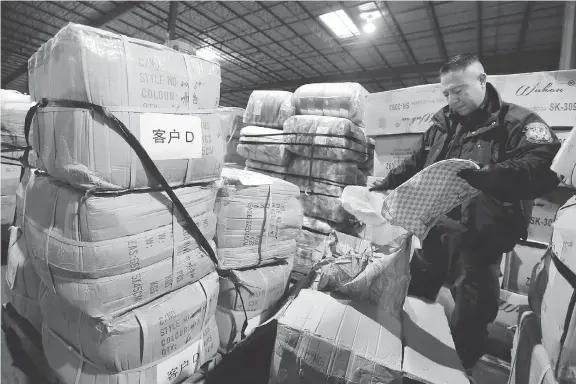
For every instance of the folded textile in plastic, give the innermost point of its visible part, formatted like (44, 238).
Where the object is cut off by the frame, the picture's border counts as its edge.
(278, 171)
(82, 148)
(310, 250)
(13, 109)
(159, 328)
(346, 100)
(324, 207)
(326, 170)
(269, 108)
(249, 295)
(431, 193)
(23, 286)
(258, 219)
(263, 144)
(83, 63)
(72, 368)
(311, 186)
(379, 275)
(324, 137)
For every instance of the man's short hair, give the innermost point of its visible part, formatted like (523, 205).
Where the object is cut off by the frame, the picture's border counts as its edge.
(458, 63)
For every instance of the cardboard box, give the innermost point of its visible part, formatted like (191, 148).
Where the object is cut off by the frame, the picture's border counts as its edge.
(530, 362)
(77, 147)
(71, 367)
(564, 163)
(87, 64)
(410, 110)
(161, 328)
(558, 312)
(519, 265)
(323, 336)
(543, 214)
(391, 150)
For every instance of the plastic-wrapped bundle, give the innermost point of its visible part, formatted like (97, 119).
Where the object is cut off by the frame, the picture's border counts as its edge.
(355, 268)
(72, 368)
(263, 144)
(160, 328)
(85, 150)
(260, 290)
(324, 207)
(278, 171)
(329, 138)
(269, 108)
(23, 286)
(106, 253)
(310, 250)
(328, 171)
(13, 109)
(346, 100)
(82, 63)
(258, 219)
(231, 121)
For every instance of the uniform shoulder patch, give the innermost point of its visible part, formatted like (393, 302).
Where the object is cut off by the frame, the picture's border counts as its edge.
(538, 133)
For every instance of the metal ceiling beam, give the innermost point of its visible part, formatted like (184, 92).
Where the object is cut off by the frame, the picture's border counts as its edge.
(530, 61)
(99, 22)
(436, 29)
(524, 28)
(269, 10)
(479, 35)
(172, 19)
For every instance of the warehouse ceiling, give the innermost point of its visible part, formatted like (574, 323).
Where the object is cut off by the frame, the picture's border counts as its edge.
(281, 45)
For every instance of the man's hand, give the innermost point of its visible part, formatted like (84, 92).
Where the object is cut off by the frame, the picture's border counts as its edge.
(492, 180)
(380, 186)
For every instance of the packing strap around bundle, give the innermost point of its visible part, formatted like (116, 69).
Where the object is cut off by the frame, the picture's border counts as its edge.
(571, 279)
(147, 162)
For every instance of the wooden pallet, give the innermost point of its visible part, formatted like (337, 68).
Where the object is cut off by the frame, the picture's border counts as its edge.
(30, 341)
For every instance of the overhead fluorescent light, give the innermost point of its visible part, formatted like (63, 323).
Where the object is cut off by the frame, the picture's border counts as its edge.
(339, 22)
(369, 28)
(369, 16)
(367, 7)
(207, 53)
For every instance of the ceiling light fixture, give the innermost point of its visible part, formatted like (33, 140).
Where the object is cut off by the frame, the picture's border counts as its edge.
(369, 28)
(340, 23)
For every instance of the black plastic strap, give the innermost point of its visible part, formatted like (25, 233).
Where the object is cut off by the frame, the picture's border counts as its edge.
(147, 162)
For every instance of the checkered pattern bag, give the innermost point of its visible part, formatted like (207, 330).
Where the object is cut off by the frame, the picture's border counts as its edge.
(432, 192)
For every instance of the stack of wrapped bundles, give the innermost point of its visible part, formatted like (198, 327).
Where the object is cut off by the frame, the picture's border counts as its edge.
(129, 267)
(330, 151)
(259, 218)
(261, 140)
(13, 109)
(231, 121)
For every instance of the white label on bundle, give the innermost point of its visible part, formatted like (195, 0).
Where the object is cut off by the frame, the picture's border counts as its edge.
(179, 366)
(171, 137)
(254, 179)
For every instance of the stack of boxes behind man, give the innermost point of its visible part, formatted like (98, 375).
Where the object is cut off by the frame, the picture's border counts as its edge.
(547, 336)
(331, 151)
(129, 269)
(259, 218)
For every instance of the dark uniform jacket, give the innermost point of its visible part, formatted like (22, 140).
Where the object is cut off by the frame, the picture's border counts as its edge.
(501, 133)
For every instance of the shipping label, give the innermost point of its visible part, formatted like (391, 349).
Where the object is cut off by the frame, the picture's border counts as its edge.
(254, 235)
(180, 366)
(172, 137)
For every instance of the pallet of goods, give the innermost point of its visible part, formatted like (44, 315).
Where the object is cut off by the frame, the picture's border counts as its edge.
(135, 268)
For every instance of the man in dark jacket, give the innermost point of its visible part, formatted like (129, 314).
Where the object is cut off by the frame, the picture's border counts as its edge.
(514, 148)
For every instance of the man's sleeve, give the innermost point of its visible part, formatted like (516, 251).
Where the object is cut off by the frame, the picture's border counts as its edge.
(411, 165)
(530, 150)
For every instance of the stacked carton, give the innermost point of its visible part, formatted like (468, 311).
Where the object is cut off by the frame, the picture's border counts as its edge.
(259, 218)
(262, 140)
(130, 288)
(552, 294)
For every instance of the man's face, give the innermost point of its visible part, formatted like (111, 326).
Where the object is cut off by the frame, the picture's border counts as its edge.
(464, 90)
